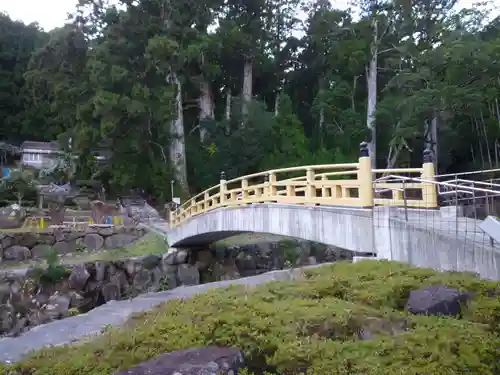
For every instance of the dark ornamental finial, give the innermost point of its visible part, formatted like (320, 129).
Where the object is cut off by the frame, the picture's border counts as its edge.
(363, 149)
(428, 156)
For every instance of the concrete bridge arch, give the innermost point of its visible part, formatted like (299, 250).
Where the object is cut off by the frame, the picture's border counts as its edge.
(348, 228)
(417, 237)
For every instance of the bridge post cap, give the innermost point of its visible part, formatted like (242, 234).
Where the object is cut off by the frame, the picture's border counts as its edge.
(363, 149)
(222, 175)
(428, 155)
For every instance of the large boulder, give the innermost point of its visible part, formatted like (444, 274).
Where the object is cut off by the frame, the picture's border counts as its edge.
(93, 241)
(175, 257)
(437, 300)
(188, 274)
(12, 216)
(78, 277)
(209, 360)
(40, 250)
(17, 252)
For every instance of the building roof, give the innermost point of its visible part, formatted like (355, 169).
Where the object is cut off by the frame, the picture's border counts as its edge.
(53, 147)
(102, 153)
(45, 146)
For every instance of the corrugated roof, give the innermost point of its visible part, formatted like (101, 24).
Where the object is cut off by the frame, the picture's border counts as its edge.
(53, 146)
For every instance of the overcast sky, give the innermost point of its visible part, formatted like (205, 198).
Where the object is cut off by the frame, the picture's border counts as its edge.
(52, 13)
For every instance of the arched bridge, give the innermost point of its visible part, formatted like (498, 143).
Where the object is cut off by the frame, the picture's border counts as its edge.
(393, 213)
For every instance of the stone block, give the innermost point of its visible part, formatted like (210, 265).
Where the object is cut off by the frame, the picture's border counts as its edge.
(437, 300)
(195, 361)
(63, 247)
(17, 252)
(40, 250)
(188, 274)
(93, 241)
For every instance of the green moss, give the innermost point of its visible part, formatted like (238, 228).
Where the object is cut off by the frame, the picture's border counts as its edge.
(148, 244)
(73, 311)
(51, 272)
(339, 319)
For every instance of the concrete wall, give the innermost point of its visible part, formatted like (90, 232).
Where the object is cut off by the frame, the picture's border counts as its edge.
(433, 245)
(423, 240)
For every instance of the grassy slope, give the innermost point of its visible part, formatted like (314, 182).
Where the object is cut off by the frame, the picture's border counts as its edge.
(250, 238)
(149, 244)
(285, 327)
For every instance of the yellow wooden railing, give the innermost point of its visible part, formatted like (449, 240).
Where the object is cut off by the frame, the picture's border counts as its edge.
(347, 184)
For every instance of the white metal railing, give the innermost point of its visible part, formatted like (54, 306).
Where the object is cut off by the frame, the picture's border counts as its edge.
(457, 187)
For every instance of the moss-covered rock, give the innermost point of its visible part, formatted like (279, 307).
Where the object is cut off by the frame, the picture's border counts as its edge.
(339, 319)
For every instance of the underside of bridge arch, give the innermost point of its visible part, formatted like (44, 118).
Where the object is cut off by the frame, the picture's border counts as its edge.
(348, 228)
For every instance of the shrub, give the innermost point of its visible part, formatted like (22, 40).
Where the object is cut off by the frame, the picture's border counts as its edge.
(339, 319)
(52, 271)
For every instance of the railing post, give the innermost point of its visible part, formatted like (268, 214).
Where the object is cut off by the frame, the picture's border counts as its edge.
(365, 179)
(273, 191)
(310, 187)
(325, 192)
(244, 189)
(206, 201)
(222, 188)
(429, 193)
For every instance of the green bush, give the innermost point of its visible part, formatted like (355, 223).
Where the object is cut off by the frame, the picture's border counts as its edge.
(311, 325)
(52, 272)
(289, 249)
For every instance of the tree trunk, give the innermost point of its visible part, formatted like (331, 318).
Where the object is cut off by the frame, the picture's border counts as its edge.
(277, 104)
(371, 80)
(206, 107)
(321, 126)
(177, 139)
(431, 139)
(247, 85)
(228, 104)
(177, 143)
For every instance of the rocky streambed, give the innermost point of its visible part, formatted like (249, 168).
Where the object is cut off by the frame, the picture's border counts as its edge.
(32, 297)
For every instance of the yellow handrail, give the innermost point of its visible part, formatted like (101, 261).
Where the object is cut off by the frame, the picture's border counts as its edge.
(317, 185)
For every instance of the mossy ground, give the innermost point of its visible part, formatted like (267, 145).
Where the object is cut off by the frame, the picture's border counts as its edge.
(312, 324)
(150, 243)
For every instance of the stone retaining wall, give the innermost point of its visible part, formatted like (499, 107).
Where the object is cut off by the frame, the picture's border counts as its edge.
(31, 297)
(23, 246)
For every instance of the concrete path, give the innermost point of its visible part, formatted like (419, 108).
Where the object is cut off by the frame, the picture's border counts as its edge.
(78, 327)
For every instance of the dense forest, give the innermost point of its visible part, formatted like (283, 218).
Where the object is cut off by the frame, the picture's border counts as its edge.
(182, 89)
